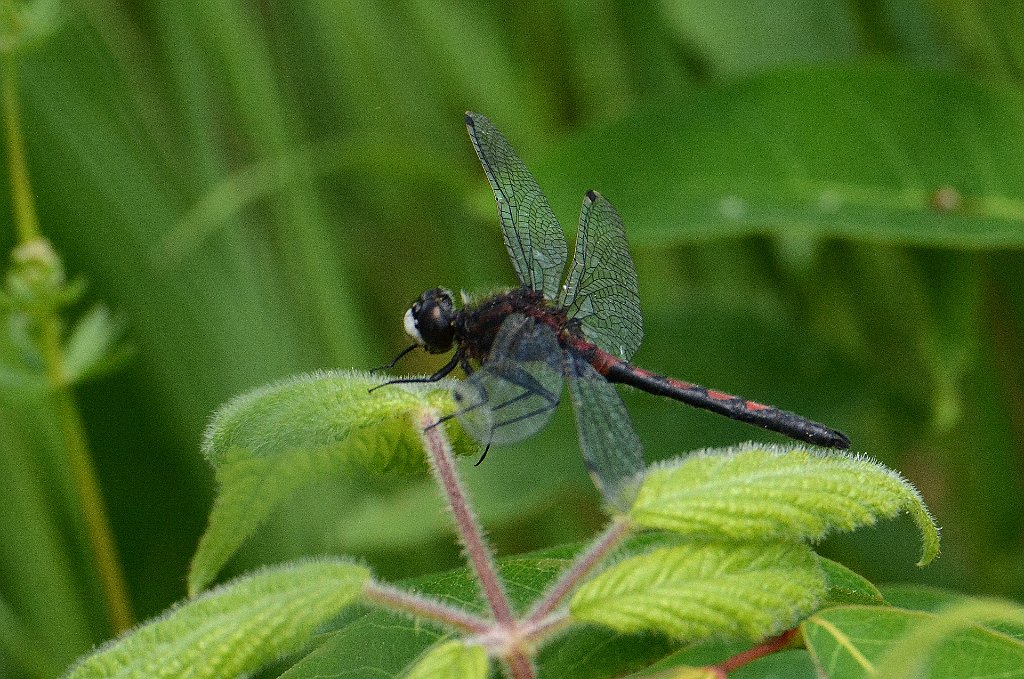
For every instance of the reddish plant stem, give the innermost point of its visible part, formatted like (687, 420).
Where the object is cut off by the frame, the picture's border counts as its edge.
(773, 645)
(605, 543)
(425, 607)
(538, 630)
(519, 666)
(470, 533)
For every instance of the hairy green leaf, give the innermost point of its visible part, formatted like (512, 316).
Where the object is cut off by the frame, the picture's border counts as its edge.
(267, 444)
(757, 491)
(234, 629)
(699, 590)
(877, 641)
(451, 660)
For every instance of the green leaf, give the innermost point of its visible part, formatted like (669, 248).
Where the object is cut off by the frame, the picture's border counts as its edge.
(920, 647)
(234, 629)
(920, 597)
(383, 644)
(267, 444)
(757, 491)
(451, 660)
(877, 641)
(700, 590)
(847, 587)
(936, 600)
(879, 154)
(696, 658)
(798, 31)
(91, 349)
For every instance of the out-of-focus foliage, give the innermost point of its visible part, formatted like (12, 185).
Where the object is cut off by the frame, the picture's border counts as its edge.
(825, 201)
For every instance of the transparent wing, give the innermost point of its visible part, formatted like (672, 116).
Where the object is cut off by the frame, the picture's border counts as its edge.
(601, 288)
(611, 449)
(513, 395)
(533, 236)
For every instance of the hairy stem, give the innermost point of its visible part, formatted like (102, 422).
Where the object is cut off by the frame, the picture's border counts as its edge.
(425, 607)
(469, 531)
(616, 531)
(538, 630)
(519, 666)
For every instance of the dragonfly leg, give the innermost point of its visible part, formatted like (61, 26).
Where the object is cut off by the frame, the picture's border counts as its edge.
(445, 418)
(526, 416)
(445, 370)
(396, 359)
(530, 386)
(483, 455)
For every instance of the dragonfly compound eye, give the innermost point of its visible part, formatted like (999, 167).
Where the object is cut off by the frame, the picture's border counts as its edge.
(431, 321)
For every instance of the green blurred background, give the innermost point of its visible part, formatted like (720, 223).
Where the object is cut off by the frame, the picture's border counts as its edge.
(825, 201)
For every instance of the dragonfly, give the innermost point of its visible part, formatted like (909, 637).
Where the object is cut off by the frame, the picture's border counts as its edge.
(577, 327)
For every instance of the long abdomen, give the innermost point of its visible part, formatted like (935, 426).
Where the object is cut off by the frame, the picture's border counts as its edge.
(769, 417)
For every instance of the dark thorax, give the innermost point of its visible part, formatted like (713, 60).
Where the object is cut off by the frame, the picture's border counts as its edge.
(477, 324)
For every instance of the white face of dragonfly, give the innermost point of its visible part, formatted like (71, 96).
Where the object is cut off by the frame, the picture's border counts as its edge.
(410, 328)
(430, 321)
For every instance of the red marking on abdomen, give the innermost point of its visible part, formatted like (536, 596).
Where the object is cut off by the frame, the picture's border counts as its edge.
(602, 361)
(754, 405)
(720, 395)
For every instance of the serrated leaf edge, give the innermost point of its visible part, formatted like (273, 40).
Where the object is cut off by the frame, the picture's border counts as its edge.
(914, 506)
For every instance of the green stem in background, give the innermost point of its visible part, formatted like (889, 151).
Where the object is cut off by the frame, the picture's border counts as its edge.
(66, 411)
(23, 204)
(101, 538)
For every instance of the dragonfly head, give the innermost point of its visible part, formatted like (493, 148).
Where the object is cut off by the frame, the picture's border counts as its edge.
(431, 320)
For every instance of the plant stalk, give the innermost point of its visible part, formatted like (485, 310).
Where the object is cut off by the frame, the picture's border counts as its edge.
(72, 430)
(519, 666)
(25, 219)
(425, 607)
(769, 646)
(617, 530)
(469, 530)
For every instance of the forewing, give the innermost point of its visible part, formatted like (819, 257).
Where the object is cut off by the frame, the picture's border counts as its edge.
(611, 449)
(533, 236)
(601, 289)
(514, 393)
